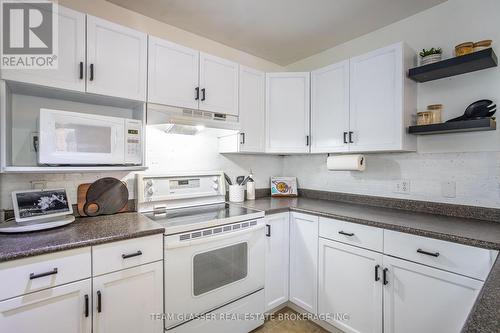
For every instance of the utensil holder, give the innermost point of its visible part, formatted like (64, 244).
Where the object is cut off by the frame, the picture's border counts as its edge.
(236, 193)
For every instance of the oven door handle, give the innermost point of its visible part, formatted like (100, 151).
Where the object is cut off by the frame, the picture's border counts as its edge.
(177, 244)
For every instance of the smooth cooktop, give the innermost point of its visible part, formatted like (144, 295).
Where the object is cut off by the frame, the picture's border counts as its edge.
(198, 217)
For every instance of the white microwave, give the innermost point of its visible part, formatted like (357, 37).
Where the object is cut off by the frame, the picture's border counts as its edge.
(71, 138)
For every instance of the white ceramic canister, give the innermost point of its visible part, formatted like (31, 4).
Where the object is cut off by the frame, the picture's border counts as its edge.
(236, 193)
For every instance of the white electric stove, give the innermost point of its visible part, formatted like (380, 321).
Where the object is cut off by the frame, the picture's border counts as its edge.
(213, 251)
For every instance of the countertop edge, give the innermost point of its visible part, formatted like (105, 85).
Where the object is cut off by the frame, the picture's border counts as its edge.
(71, 246)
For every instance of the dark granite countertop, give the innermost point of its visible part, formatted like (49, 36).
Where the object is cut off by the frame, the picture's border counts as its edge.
(485, 315)
(85, 231)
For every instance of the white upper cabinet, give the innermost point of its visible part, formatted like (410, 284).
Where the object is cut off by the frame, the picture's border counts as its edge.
(287, 112)
(252, 110)
(330, 108)
(70, 72)
(218, 85)
(173, 74)
(116, 60)
(382, 100)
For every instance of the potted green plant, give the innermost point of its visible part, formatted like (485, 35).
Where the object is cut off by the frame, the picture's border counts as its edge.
(430, 56)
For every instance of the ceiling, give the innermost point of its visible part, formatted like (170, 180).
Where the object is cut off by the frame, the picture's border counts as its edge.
(281, 31)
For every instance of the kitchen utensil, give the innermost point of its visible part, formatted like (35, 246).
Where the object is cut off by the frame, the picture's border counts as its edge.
(245, 180)
(478, 109)
(239, 180)
(228, 180)
(105, 196)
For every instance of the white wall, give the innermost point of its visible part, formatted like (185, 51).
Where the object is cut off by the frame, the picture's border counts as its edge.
(470, 159)
(166, 153)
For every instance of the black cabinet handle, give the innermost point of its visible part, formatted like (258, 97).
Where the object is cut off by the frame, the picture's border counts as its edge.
(86, 305)
(130, 255)
(203, 94)
(350, 137)
(242, 136)
(432, 254)
(268, 230)
(376, 272)
(345, 137)
(307, 140)
(91, 72)
(36, 276)
(197, 93)
(99, 301)
(81, 70)
(385, 276)
(350, 234)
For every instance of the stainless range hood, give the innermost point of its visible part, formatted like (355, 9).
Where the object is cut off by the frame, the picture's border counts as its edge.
(176, 120)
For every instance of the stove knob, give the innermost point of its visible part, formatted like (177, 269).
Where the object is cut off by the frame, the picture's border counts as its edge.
(150, 191)
(149, 183)
(215, 186)
(215, 179)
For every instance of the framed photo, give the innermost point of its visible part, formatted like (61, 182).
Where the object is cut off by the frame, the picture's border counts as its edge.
(284, 186)
(40, 204)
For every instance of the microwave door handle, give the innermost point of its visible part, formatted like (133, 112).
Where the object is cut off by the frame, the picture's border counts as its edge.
(203, 240)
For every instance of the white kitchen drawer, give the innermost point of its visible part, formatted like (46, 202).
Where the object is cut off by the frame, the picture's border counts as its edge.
(115, 256)
(351, 233)
(462, 259)
(27, 275)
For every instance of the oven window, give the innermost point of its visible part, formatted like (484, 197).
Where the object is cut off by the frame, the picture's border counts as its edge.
(217, 268)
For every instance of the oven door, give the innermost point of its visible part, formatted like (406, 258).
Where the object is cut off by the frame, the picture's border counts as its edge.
(80, 138)
(205, 273)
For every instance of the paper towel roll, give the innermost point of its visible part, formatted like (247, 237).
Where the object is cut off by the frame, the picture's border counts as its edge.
(346, 163)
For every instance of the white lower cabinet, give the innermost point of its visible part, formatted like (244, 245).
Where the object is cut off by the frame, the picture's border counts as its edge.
(349, 284)
(419, 299)
(277, 258)
(125, 300)
(55, 310)
(304, 260)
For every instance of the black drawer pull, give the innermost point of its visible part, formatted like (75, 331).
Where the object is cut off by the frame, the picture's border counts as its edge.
(345, 137)
(350, 234)
(86, 305)
(432, 254)
(242, 141)
(268, 230)
(36, 276)
(203, 92)
(197, 93)
(99, 301)
(385, 276)
(81, 70)
(376, 272)
(130, 255)
(350, 137)
(91, 72)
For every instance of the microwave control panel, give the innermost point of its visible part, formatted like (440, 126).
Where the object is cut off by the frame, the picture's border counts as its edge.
(133, 142)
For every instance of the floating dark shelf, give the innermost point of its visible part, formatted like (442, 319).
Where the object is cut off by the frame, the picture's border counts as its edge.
(455, 66)
(486, 124)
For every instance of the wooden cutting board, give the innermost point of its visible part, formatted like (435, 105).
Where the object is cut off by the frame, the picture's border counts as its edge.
(82, 200)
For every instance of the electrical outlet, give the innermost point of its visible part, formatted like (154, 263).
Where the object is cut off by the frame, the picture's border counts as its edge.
(449, 189)
(402, 186)
(38, 184)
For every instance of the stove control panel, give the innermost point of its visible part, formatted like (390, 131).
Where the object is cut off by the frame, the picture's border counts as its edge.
(185, 188)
